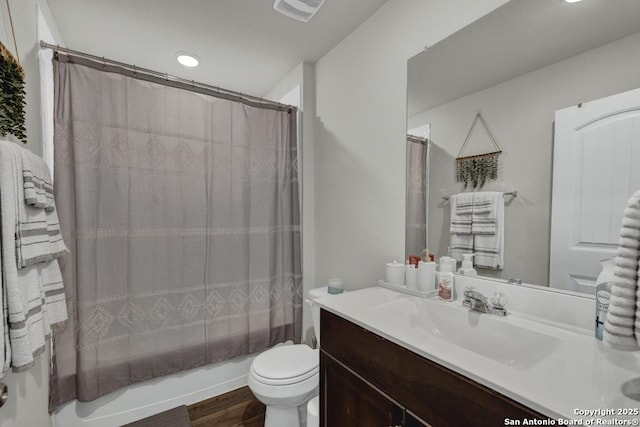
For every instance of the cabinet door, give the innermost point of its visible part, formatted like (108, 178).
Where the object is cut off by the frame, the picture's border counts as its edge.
(348, 401)
(411, 420)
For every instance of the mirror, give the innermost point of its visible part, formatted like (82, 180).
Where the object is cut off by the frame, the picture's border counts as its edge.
(518, 65)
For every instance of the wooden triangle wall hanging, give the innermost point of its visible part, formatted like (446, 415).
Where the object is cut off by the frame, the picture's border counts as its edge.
(479, 168)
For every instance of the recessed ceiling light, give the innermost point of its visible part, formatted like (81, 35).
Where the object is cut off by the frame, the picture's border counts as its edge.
(572, 1)
(188, 59)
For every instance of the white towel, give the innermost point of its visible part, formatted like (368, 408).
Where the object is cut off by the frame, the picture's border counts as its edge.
(483, 218)
(461, 240)
(37, 182)
(460, 244)
(34, 294)
(622, 325)
(5, 344)
(460, 222)
(38, 236)
(489, 248)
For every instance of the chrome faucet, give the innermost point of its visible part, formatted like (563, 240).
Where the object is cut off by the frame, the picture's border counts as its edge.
(478, 302)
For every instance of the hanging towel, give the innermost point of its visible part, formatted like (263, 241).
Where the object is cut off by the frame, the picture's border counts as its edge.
(38, 236)
(5, 344)
(461, 239)
(36, 177)
(34, 294)
(489, 248)
(464, 207)
(622, 325)
(460, 222)
(483, 218)
(460, 244)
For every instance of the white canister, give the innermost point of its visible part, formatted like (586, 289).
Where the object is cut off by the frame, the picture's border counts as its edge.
(411, 278)
(426, 276)
(394, 273)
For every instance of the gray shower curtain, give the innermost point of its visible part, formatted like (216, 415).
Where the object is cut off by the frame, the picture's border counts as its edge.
(416, 204)
(181, 213)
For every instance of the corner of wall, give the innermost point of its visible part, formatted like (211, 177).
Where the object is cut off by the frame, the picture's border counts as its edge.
(29, 391)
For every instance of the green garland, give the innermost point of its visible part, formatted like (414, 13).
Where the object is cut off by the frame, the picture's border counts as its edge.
(477, 170)
(12, 97)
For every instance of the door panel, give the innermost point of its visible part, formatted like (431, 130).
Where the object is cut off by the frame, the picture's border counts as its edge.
(596, 153)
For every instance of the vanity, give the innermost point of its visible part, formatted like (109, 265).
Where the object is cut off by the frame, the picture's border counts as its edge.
(370, 379)
(390, 359)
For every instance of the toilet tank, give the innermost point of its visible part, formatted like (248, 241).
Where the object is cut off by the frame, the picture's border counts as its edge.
(315, 308)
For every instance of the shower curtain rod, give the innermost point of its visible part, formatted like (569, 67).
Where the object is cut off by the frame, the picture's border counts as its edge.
(417, 139)
(186, 84)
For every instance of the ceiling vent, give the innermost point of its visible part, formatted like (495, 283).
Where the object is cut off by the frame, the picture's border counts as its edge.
(300, 10)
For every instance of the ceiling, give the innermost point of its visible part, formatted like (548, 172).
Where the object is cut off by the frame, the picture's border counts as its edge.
(518, 37)
(244, 45)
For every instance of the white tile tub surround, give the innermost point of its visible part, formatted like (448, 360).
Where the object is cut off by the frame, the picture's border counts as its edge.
(578, 373)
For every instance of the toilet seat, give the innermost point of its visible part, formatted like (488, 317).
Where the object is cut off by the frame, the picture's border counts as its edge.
(287, 364)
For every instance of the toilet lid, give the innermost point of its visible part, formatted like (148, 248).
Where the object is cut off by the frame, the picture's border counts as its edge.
(291, 363)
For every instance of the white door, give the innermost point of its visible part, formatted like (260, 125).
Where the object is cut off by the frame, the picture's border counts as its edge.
(596, 167)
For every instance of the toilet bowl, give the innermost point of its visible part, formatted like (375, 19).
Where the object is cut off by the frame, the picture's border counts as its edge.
(313, 412)
(286, 377)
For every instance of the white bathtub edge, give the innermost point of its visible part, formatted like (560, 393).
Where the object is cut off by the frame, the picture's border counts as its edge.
(140, 401)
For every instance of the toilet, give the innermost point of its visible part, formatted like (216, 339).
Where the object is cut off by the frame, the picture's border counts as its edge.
(285, 378)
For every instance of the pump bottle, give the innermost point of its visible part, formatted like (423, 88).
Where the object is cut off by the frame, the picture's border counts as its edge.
(445, 282)
(467, 265)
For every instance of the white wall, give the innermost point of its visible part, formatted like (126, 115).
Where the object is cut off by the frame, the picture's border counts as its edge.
(28, 391)
(520, 113)
(360, 128)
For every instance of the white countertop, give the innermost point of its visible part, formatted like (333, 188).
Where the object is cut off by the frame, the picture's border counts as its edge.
(580, 374)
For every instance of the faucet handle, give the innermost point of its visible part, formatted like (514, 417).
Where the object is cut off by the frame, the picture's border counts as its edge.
(499, 300)
(469, 292)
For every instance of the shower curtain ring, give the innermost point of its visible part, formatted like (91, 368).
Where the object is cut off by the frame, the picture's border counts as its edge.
(193, 84)
(104, 63)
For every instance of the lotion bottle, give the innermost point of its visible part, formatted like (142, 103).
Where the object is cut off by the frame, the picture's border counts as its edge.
(603, 294)
(445, 282)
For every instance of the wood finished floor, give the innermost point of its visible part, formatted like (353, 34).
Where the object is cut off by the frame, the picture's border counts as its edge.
(237, 408)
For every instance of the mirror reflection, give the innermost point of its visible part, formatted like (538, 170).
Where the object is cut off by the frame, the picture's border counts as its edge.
(554, 83)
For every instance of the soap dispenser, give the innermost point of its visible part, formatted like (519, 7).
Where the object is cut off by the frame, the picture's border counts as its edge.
(467, 265)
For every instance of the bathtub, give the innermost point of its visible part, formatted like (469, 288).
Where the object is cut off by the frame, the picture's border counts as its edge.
(154, 396)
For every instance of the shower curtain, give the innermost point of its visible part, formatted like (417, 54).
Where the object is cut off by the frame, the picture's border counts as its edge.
(181, 213)
(416, 215)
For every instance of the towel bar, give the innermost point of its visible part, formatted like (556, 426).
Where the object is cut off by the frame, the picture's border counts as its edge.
(510, 193)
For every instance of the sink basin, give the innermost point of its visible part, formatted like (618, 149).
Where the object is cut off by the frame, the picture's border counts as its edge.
(496, 338)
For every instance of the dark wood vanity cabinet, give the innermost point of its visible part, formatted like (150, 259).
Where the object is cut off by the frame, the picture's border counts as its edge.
(356, 403)
(366, 380)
